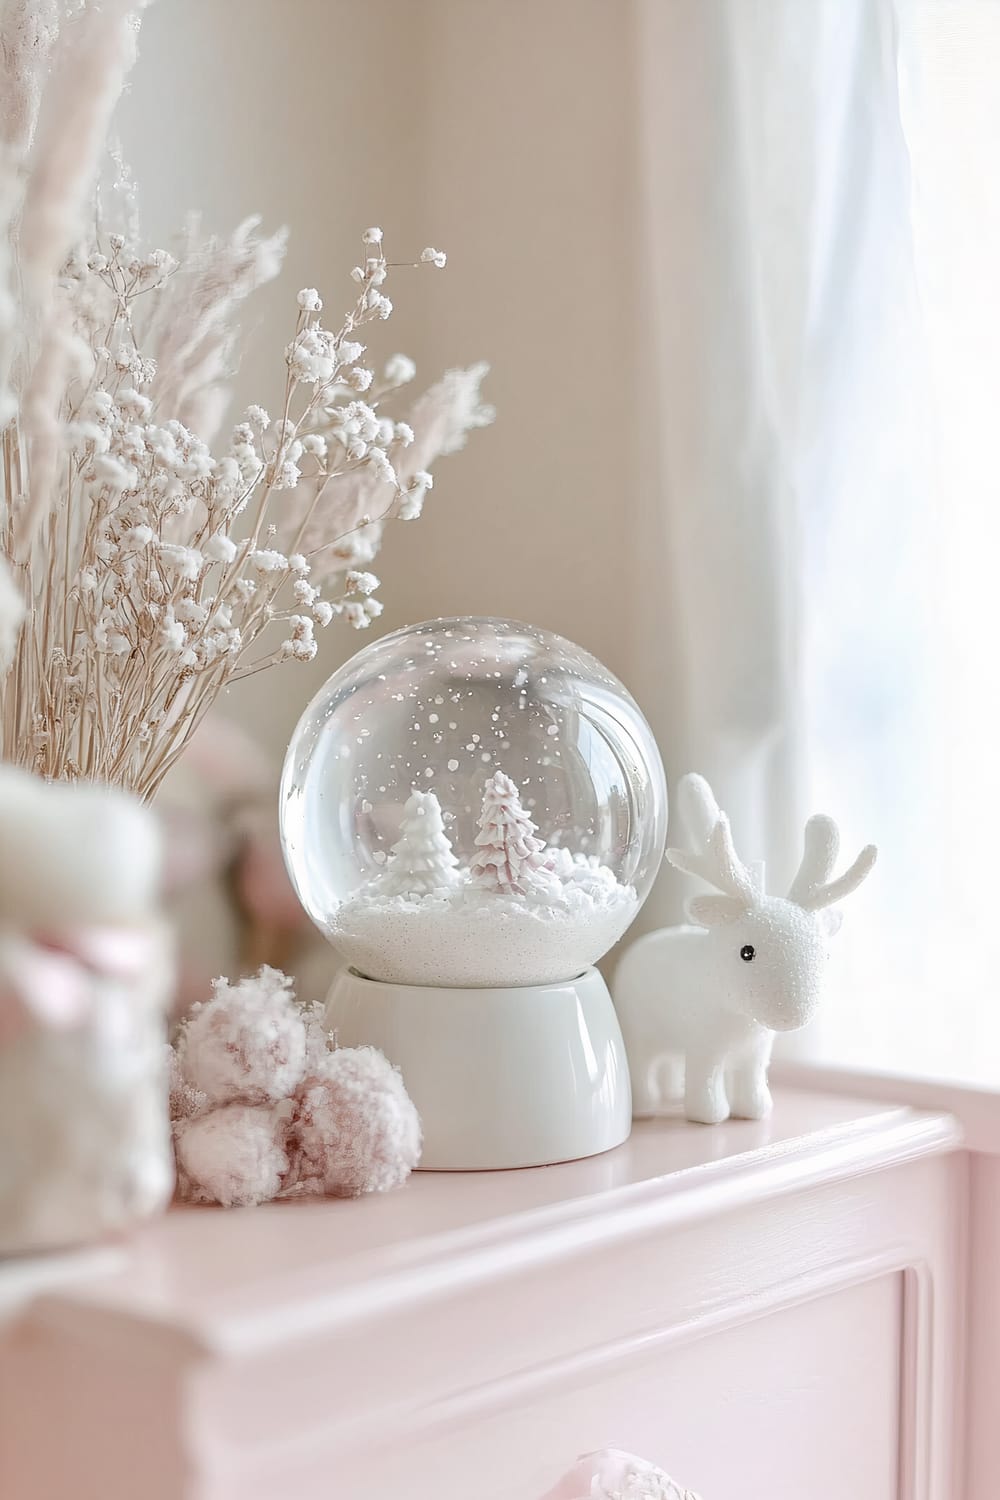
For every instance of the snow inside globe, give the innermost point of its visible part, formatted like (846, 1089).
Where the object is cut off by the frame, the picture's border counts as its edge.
(472, 803)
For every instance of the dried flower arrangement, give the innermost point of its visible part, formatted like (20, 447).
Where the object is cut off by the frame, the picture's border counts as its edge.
(151, 571)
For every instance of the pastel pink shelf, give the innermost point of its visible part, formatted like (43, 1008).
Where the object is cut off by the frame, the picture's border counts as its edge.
(764, 1309)
(942, 1056)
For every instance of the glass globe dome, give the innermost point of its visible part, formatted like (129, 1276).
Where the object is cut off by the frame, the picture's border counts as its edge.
(474, 803)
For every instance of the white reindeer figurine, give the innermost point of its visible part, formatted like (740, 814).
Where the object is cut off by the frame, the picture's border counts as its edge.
(712, 995)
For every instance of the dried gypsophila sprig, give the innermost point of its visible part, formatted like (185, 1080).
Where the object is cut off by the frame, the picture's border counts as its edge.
(158, 604)
(150, 572)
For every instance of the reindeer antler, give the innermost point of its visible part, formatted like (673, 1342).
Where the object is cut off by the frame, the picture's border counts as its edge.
(698, 808)
(712, 856)
(812, 887)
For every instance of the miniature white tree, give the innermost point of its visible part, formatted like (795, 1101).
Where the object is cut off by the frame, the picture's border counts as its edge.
(422, 860)
(508, 856)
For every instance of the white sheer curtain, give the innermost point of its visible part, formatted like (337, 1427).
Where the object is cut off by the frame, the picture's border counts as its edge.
(816, 538)
(777, 236)
(950, 65)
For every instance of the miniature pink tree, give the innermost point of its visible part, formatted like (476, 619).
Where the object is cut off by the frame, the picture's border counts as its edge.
(508, 856)
(423, 859)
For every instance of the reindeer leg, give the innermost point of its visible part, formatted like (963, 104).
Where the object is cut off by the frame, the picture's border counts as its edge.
(749, 1095)
(655, 1085)
(705, 1088)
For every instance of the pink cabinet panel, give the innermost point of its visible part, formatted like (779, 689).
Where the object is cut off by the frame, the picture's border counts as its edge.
(804, 1403)
(768, 1310)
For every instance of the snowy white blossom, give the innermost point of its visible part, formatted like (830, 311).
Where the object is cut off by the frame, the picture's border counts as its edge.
(108, 638)
(400, 369)
(356, 615)
(268, 561)
(185, 561)
(136, 538)
(301, 644)
(378, 461)
(133, 404)
(412, 500)
(434, 257)
(190, 611)
(219, 548)
(286, 475)
(173, 636)
(372, 236)
(310, 300)
(377, 303)
(311, 356)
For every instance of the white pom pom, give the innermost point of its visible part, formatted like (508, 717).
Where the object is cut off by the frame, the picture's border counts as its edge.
(357, 1127)
(247, 1043)
(234, 1156)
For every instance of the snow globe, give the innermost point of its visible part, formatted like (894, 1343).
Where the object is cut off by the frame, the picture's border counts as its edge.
(472, 812)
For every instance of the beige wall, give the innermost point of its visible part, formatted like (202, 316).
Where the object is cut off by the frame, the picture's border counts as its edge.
(500, 132)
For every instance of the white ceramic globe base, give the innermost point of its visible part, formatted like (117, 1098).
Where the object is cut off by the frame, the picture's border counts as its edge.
(502, 1078)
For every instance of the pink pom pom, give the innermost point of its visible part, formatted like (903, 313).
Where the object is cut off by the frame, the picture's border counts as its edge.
(234, 1155)
(247, 1043)
(356, 1127)
(262, 1108)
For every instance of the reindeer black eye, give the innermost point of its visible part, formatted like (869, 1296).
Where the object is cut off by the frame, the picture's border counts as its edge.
(748, 953)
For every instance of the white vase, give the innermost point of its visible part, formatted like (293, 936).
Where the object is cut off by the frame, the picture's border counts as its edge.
(511, 1077)
(85, 1146)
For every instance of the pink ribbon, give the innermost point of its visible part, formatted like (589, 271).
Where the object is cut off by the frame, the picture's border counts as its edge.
(47, 979)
